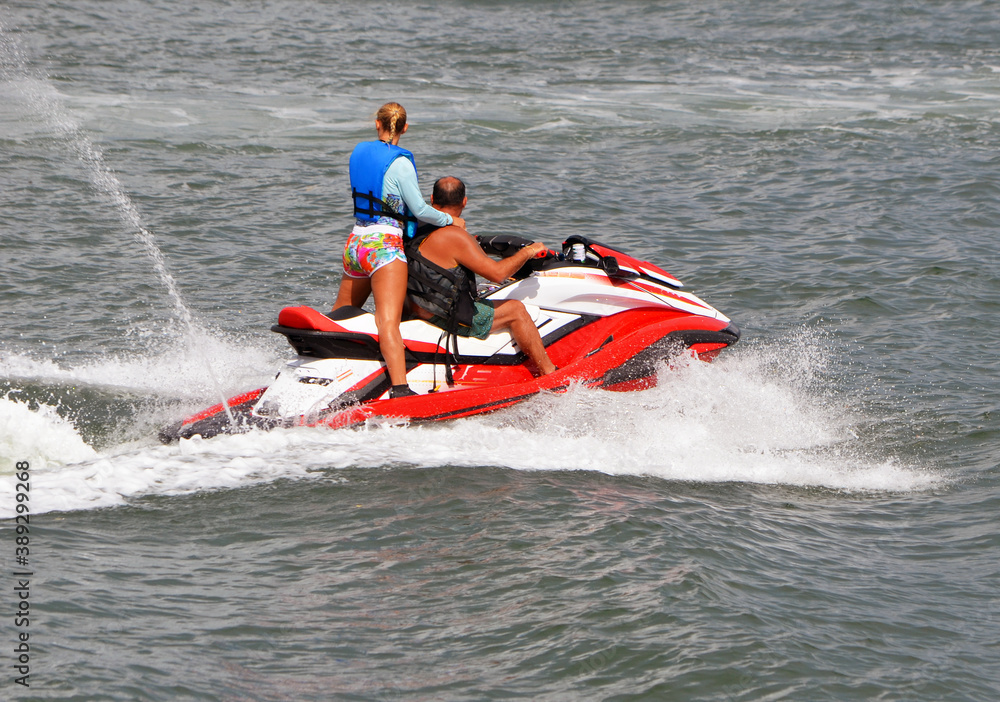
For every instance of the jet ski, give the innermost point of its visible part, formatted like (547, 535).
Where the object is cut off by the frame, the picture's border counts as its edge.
(607, 320)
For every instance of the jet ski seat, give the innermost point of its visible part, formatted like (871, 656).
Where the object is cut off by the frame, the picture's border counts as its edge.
(346, 312)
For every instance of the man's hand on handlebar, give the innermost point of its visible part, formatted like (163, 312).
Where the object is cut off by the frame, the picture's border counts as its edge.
(538, 249)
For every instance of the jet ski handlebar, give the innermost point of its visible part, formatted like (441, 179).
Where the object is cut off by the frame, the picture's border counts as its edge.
(502, 245)
(575, 250)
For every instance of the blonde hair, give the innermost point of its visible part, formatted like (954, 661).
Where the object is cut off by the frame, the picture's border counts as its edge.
(392, 118)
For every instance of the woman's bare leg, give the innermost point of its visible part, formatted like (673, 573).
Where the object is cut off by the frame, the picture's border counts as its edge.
(388, 284)
(354, 291)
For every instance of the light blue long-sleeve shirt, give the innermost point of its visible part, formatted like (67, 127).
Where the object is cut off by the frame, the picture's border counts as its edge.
(400, 181)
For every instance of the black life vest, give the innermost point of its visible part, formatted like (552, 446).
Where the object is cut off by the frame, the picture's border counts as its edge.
(449, 293)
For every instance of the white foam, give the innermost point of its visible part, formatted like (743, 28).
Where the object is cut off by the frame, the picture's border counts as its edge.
(176, 370)
(559, 123)
(731, 421)
(39, 436)
(758, 416)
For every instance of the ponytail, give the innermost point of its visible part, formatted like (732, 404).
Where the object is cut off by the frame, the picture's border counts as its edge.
(392, 118)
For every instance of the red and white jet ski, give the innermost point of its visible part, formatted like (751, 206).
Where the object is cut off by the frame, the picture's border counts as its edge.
(607, 320)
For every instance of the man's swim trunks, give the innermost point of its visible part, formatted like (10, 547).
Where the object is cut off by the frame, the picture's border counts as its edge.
(482, 321)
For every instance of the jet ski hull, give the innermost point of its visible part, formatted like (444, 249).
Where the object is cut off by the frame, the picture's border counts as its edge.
(605, 324)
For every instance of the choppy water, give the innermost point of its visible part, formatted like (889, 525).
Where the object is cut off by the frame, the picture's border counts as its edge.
(811, 517)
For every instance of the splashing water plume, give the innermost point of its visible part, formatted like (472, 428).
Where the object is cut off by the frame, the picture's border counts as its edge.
(43, 99)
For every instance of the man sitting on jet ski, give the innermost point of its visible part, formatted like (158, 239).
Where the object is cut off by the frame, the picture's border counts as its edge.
(443, 263)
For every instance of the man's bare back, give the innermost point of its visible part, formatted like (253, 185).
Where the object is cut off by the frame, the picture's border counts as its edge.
(452, 246)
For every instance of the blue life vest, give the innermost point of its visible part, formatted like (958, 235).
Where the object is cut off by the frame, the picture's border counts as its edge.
(369, 162)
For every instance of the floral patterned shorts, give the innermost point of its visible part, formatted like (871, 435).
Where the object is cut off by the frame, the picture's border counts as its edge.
(369, 248)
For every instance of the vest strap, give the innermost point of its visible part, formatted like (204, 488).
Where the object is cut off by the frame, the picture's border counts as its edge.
(383, 211)
(449, 293)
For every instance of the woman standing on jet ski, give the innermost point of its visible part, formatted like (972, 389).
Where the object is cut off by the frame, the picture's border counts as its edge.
(387, 203)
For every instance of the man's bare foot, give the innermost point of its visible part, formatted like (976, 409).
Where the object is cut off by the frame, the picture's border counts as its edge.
(549, 367)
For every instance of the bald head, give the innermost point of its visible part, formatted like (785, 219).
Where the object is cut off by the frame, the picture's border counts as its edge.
(448, 192)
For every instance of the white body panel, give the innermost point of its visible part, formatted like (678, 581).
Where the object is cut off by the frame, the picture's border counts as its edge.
(590, 291)
(554, 299)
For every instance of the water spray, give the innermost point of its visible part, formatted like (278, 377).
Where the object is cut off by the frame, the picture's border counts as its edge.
(43, 99)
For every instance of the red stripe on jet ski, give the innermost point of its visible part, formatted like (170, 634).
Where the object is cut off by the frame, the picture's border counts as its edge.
(232, 402)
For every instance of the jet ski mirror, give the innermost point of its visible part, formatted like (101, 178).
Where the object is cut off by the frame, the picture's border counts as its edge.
(609, 264)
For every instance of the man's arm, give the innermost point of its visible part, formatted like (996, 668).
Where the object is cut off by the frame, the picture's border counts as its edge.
(467, 253)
